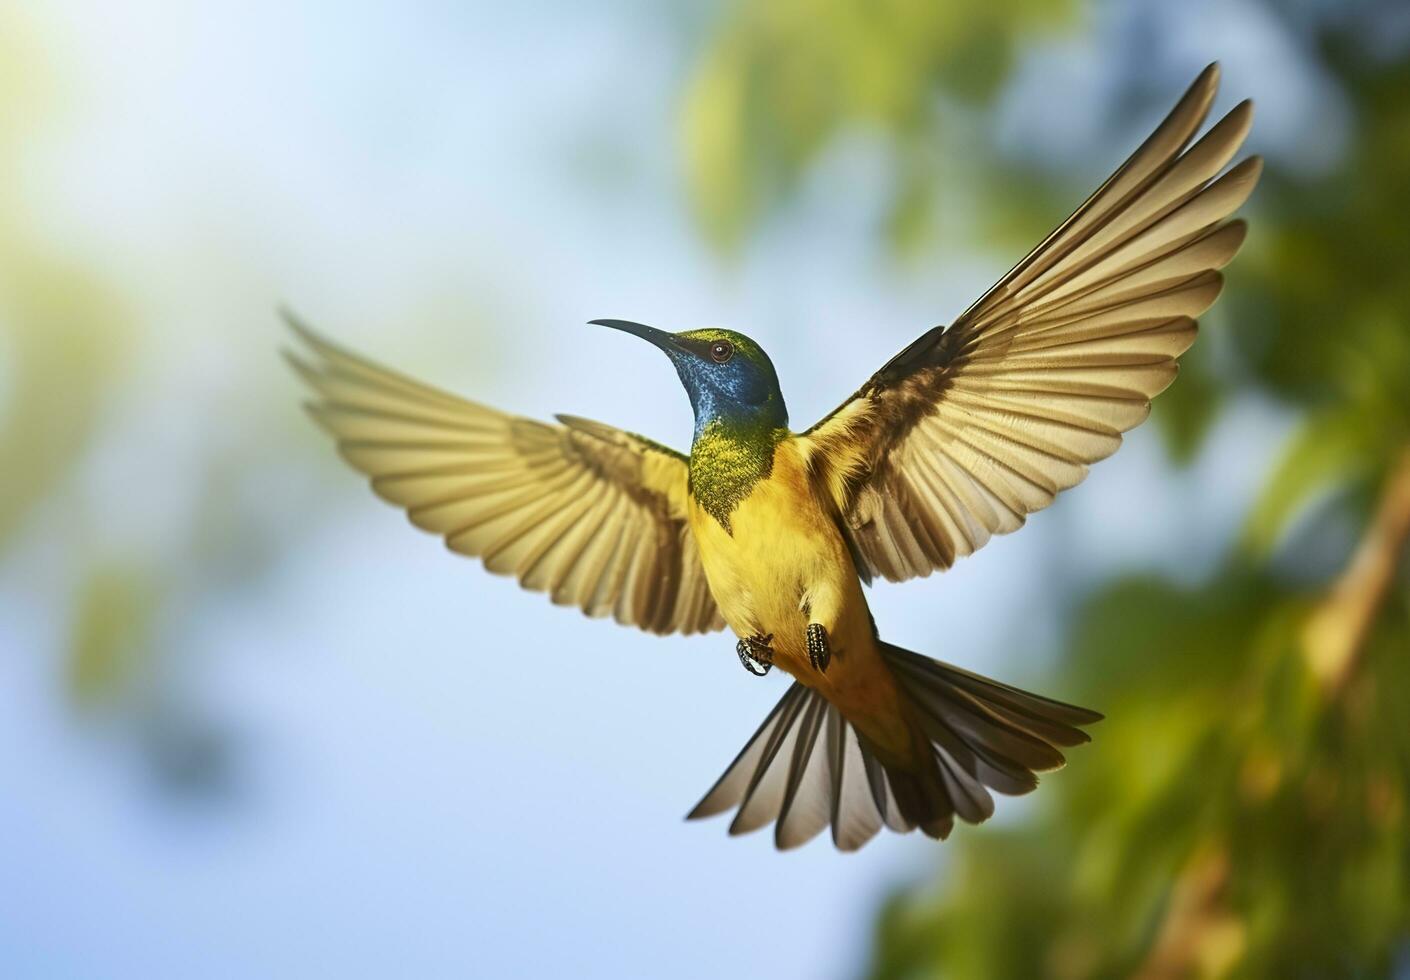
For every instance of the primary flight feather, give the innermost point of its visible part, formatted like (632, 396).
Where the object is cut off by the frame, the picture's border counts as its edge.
(959, 437)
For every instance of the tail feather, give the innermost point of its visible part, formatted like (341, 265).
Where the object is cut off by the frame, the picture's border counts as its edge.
(854, 815)
(1055, 719)
(739, 779)
(807, 768)
(805, 810)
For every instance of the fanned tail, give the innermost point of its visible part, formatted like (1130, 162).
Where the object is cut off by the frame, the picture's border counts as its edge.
(807, 768)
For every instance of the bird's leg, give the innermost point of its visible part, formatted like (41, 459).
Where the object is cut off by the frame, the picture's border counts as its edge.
(820, 605)
(819, 649)
(756, 652)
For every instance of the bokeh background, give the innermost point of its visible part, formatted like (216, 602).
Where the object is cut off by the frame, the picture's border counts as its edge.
(252, 724)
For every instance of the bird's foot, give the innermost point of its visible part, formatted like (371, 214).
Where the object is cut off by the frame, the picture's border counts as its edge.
(755, 652)
(819, 650)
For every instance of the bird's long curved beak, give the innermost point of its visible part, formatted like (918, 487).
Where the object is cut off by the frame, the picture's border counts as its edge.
(668, 342)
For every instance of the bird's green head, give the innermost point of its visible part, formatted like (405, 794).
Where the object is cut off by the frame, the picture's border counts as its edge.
(729, 377)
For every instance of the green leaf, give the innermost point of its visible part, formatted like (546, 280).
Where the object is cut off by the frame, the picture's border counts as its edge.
(112, 623)
(781, 80)
(1327, 450)
(64, 345)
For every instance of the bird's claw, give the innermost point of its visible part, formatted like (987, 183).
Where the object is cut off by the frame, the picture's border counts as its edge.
(755, 652)
(819, 650)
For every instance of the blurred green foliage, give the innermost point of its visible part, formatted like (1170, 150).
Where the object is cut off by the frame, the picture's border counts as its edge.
(59, 321)
(129, 522)
(110, 635)
(1244, 809)
(71, 357)
(783, 79)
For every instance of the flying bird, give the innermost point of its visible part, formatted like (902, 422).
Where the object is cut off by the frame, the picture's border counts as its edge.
(773, 532)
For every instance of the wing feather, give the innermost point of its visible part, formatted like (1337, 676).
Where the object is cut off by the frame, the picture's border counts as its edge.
(591, 515)
(973, 427)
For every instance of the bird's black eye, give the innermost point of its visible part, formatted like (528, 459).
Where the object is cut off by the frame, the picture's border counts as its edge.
(721, 351)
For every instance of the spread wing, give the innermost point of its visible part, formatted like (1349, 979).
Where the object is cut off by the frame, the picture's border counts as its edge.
(971, 428)
(589, 514)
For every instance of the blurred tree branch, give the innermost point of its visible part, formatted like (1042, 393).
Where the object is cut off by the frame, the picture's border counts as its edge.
(1336, 632)
(1200, 936)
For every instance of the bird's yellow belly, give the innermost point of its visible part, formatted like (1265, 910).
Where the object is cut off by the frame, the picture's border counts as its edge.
(766, 574)
(782, 565)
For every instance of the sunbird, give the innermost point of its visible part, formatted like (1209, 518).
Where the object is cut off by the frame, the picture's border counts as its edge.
(773, 532)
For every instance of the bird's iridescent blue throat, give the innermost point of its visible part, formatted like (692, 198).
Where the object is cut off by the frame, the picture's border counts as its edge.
(740, 416)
